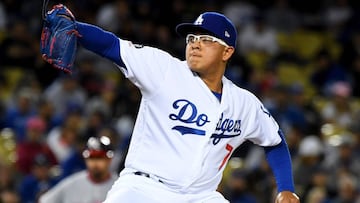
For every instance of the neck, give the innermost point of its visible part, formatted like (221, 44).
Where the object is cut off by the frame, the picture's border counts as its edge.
(212, 77)
(214, 83)
(214, 86)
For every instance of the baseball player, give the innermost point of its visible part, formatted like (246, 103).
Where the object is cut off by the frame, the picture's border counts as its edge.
(90, 185)
(191, 117)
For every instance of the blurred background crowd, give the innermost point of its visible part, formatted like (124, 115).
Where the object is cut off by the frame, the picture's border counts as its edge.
(300, 57)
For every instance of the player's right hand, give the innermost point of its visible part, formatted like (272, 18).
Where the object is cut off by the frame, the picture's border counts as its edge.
(287, 197)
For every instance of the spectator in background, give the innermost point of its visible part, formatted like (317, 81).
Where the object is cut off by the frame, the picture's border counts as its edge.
(46, 112)
(16, 49)
(62, 142)
(38, 181)
(338, 110)
(105, 102)
(33, 145)
(95, 122)
(308, 161)
(240, 12)
(7, 177)
(347, 188)
(326, 72)
(318, 190)
(90, 80)
(95, 181)
(113, 15)
(286, 111)
(293, 139)
(61, 139)
(17, 114)
(9, 196)
(75, 161)
(116, 140)
(128, 95)
(310, 119)
(282, 17)
(259, 176)
(65, 93)
(124, 126)
(337, 15)
(311, 13)
(163, 39)
(344, 158)
(240, 71)
(258, 37)
(237, 188)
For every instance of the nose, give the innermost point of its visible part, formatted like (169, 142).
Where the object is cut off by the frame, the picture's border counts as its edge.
(195, 44)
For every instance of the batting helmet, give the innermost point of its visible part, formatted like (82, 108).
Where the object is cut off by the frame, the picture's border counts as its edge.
(98, 147)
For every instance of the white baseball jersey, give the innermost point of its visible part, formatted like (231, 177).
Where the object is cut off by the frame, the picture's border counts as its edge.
(183, 134)
(78, 188)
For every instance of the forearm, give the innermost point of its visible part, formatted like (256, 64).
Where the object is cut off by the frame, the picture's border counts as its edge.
(99, 41)
(279, 160)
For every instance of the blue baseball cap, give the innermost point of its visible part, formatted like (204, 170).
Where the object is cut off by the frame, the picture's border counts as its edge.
(213, 23)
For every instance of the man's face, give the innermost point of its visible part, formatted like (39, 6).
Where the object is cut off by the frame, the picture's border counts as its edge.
(204, 52)
(98, 168)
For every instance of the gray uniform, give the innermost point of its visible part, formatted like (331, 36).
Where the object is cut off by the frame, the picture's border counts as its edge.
(78, 188)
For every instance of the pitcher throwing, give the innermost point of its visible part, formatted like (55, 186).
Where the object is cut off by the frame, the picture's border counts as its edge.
(191, 117)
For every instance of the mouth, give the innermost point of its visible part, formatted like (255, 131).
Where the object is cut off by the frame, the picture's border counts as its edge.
(194, 55)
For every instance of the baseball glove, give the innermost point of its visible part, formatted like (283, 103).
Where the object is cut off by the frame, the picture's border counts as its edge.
(59, 38)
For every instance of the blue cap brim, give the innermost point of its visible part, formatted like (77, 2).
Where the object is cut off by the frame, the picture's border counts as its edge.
(184, 29)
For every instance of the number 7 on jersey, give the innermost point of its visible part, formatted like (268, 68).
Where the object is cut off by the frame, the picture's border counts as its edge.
(228, 148)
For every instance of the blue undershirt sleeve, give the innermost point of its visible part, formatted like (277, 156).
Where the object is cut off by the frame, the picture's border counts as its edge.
(99, 41)
(279, 160)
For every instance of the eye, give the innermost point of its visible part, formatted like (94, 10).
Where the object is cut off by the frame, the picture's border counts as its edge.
(206, 39)
(190, 39)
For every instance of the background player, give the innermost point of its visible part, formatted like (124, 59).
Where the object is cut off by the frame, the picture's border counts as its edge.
(90, 185)
(191, 117)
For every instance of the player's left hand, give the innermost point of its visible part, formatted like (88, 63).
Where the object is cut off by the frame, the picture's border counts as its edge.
(59, 38)
(287, 197)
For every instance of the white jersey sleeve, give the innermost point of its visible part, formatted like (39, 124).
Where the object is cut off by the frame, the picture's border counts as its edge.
(263, 129)
(145, 66)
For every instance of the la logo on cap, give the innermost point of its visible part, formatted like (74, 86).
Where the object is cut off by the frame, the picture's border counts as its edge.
(199, 20)
(227, 34)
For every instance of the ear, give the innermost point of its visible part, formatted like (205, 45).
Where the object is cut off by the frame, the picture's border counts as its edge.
(228, 52)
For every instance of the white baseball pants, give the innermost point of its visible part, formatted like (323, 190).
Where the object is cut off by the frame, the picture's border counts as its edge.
(131, 188)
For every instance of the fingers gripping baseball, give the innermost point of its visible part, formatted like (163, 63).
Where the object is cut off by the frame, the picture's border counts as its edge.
(287, 197)
(59, 38)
